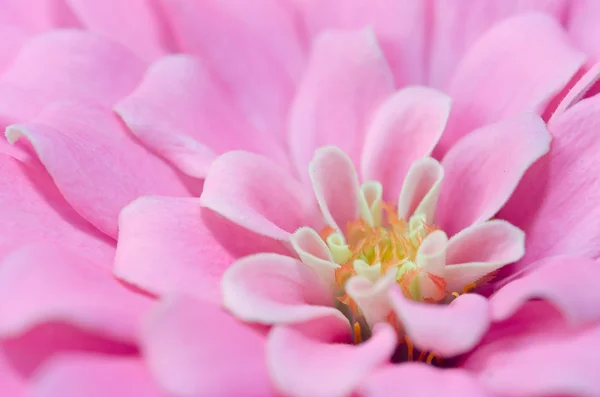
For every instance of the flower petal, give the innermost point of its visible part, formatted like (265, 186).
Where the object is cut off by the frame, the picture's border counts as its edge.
(480, 250)
(400, 27)
(26, 353)
(14, 38)
(333, 108)
(257, 194)
(575, 373)
(41, 283)
(336, 186)
(569, 283)
(177, 111)
(164, 245)
(313, 252)
(454, 34)
(11, 382)
(320, 366)
(32, 210)
(272, 289)
(584, 83)
(132, 23)
(372, 298)
(194, 348)
(77, 64)
(37, 15)
(419, 379)
(501, 153)
(235, 39)
(558, 193)
(421, 190)
(405, 128)
(77, 375)
(95, 164)
(581, 26)
(446, 330)
(519, 65)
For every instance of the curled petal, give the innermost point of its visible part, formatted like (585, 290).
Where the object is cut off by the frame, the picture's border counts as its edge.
(372, 298)
(313, 251)
(569, 283)
(303, 365)
(335, 183)
(446, 330)
(480, 250)
(421, 190)
(272, 289)
(255, 193)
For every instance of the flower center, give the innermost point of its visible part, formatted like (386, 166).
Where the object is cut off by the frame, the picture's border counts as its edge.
(371, 251)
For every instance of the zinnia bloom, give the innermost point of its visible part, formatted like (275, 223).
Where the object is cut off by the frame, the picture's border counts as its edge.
(380, 198)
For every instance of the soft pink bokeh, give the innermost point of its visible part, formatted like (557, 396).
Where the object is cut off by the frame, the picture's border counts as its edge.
(117, 110)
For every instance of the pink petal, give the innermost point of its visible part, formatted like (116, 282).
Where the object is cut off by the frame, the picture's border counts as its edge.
(37, 15)
(94, 376)
(480, 250)
(517, 66)
(13, 40)
(400, 27)
(569, 283)
(446, 330)
(313, 252)
(177, 111)
(40, 284)
(559, 193)
(11, 382)
(372, 298)
(272, 289)
(132, 23)
(406, 127)
(164, 246)
(255, 193)
(565, 366)
(193, 348)
(419, 379)
(333, 108)
(33, 210)
(27, 352)
(582, 27)
(95, 164)
(421, 189)
(584, 83)
(319, 366)
(459, 24)
(235, 39)
(103, 72)
(501, 153)
(336, 186)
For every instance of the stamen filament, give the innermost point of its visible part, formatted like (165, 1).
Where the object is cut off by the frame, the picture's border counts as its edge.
(430, 357)
(409, 348)
(357, 336)
(421, 356)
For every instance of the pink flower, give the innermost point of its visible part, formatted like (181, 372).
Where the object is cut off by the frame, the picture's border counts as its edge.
(100, 114)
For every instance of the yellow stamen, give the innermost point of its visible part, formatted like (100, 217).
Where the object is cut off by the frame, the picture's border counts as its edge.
(430, 357)
(409, 348)
(455, 294)
(357, 336)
